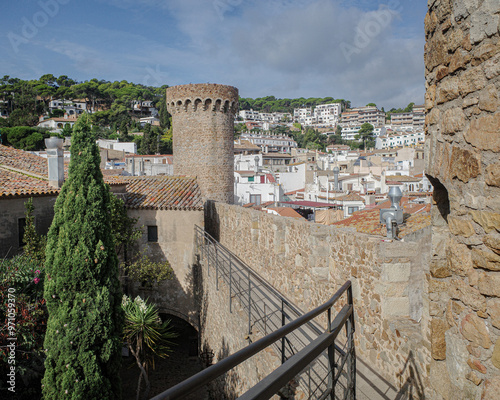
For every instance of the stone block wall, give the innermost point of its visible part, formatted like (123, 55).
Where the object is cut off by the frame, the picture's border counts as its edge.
(308, 262)
(224, 332)
(176, 232)
(11, 210)
(462, 57)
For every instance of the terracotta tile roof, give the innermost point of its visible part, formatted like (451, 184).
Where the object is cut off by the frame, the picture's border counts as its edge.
(23, 173)
(164, 193)
(14, 184)
(294, 192)
(286, 212)
(311, 204)
(368, 220)
(402, 178)
(351, 197)
(20, 160)
(270, 178)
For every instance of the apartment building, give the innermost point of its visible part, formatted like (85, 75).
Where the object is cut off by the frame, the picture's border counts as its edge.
(361, 115)
(327, 113)
(399, 140)
(414, 118)
(300, 114)
(271, 143)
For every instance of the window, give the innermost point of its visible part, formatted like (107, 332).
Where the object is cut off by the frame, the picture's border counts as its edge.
(250, 179)
(351, 210)
(152, 233)
(21, 224)
(255, 198)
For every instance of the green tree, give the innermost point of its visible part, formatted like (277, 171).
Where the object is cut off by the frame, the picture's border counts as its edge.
(82, 290)
(371, 105)
(366, 135)
(34, 244)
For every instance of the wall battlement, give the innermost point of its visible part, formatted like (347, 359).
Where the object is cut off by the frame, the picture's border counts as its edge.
(202, 97)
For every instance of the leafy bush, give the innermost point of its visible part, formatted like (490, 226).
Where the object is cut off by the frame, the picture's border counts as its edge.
(24, 275)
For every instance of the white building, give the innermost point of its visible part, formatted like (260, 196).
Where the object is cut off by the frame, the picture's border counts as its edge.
(300, 114)
(71, 107)
(399, 140)
(137, 165)
(256, 187)
(327, 114)
(271, 143)
(128, 147)
(57, 124)
(294, 178)
(249, 115)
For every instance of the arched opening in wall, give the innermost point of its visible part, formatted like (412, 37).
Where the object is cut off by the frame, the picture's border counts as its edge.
(218, 105)
(208, 105)
(197, 103)
(182, 363)
(440, 197)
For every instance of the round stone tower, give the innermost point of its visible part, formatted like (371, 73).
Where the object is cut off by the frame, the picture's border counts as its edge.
(203, 129)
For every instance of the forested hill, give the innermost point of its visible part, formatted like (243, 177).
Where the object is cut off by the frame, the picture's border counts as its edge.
(272, 104)
(25, 100)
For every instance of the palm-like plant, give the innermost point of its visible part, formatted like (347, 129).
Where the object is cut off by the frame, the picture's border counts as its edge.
(146, 336)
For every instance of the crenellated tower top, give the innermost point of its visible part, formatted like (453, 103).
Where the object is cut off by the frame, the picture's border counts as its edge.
(202, 97)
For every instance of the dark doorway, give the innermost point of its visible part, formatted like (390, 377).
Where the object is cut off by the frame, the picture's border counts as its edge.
(182, 363)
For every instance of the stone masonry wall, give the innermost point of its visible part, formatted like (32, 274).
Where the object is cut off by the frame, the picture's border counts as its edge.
(224, 332)
(203, 128)
(308, 262)
(176, 234)
(462, 57)
(11, 210)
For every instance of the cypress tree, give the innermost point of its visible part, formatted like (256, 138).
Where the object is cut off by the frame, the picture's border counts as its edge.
(83, 340)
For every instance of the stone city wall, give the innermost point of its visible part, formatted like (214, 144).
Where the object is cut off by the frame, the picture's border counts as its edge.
(462, 57)
(224, 332)
(308, 262)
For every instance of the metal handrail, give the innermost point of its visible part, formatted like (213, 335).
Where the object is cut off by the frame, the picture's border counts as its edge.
(256, 276)
(204, 377)
(227, 264)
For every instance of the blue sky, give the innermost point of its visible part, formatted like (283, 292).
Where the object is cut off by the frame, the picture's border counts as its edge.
(361, 50)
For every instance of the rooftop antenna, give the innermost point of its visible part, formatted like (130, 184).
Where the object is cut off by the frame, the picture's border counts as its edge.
(394, 215)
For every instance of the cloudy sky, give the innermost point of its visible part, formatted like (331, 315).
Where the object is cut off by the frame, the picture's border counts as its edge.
(360, 50)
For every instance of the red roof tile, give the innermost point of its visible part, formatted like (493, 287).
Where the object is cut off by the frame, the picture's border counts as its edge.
(15, 184)
(286, 212)
(164, 193)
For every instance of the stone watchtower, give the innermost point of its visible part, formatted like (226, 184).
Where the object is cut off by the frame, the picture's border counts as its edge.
(203, 129)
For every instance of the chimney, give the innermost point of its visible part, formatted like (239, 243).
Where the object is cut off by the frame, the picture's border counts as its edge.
(256, 165)
(55, 161)
(336, 171)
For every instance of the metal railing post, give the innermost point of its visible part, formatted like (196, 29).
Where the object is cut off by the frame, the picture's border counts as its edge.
(216, 268)
(331, 360)
(230, 286)
(249, 304)
(283, 358)
(351, 361)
